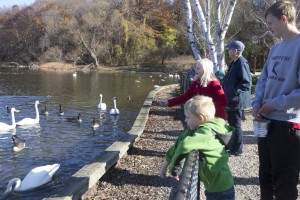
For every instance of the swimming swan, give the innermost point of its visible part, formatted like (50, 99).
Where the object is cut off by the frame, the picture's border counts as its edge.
(31, 121)
(114, 111)
(4, 126)
(18, 143)
(35, 178)
(101, 105)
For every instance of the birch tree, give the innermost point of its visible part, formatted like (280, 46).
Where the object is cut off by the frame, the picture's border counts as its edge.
(214, 17)
(190, 32)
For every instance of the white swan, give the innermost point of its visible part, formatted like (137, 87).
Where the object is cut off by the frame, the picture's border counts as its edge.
(35, 178)
(4, 126)
(114, 111)
(31, 121)
(75, 74)
(18, 143)
(101, 105)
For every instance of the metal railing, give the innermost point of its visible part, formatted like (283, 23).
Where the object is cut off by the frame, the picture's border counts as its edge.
(189, 182)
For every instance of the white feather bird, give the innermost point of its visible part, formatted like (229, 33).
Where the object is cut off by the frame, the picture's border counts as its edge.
(35, 178)
(4, 126)
(101, 105)
(31, 121)
(114, 111)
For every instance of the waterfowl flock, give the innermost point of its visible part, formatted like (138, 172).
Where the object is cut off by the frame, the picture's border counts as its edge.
(27, 121)
(41, 175)
(43, 114)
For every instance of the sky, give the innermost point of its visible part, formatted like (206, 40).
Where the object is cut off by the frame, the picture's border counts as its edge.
(9, 3)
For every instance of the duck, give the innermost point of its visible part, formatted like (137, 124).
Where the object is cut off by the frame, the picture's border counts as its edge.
(38, 176)
(95, 124)
(18, 143)
(31, 121)
(4, 126)
(7, 109)
(45, 111)
(128, 98)
(114, 111)
(101, 106)
(60, 112)
(75, 119)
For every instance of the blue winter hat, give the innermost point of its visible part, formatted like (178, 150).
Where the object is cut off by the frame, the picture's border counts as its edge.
(238, 45)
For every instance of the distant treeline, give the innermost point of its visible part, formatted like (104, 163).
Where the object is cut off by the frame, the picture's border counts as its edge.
(110, 32)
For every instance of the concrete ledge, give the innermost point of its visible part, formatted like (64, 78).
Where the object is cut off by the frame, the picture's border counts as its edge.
(88, 176)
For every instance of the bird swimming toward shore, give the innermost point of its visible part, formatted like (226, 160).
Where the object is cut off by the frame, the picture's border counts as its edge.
(7, 109)
(36, 177)
(60, 112)
(101, 105)
(18, 143)
(45, 111)
(31, 121)
(95, 124)
(115, 110)
(4, 126)
(74, 119)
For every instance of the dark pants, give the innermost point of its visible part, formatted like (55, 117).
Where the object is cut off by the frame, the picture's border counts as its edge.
(234, 118)
(279, 158)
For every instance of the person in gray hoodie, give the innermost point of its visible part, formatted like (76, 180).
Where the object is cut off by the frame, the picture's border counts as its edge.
(277, 98)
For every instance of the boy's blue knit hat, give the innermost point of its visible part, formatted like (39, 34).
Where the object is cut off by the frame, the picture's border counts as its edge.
(238, 45)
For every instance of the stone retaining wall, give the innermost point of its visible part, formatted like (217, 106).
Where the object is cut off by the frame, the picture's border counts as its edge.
(87, 177)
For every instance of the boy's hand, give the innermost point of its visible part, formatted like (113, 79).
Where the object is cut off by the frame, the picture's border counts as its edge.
(163, 169)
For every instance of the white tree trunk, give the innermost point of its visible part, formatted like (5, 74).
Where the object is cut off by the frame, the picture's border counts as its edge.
(219, 30)
(190, 33)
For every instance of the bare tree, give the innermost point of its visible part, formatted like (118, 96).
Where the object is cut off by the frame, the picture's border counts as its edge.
(214, 18)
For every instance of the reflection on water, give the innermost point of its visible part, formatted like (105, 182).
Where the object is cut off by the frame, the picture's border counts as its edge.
(57, 140)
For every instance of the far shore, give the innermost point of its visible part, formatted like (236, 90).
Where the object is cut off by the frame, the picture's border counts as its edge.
(175, 65)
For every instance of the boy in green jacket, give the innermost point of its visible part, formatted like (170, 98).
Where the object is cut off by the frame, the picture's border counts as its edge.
(214, 170)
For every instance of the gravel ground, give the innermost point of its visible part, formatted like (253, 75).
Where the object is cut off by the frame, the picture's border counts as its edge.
(135, 176)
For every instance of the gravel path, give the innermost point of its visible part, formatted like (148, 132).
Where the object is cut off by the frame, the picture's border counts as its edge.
(135, 176)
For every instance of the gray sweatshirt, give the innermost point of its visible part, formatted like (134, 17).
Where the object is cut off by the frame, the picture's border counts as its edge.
(280, 81)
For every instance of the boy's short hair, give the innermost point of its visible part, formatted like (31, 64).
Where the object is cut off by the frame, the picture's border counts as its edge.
(282, 8)
(201, 105)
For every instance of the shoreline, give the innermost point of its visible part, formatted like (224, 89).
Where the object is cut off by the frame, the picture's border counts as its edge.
(175, 65)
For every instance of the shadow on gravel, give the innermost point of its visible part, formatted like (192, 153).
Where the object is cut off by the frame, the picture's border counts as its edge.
(124, 177)
(246, 181)
(163, 112)
(173, 133)
(249, 137)
(140, 152)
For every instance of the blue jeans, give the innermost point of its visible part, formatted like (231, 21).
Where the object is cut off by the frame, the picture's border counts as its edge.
(234, 118)
(226, 195)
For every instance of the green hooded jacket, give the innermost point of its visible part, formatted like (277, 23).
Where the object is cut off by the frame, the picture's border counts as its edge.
(214, 170)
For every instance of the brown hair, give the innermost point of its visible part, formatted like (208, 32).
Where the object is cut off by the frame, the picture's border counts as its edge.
(282, 8)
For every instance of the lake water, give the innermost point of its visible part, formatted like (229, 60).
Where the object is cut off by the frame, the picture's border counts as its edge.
(56, 140)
